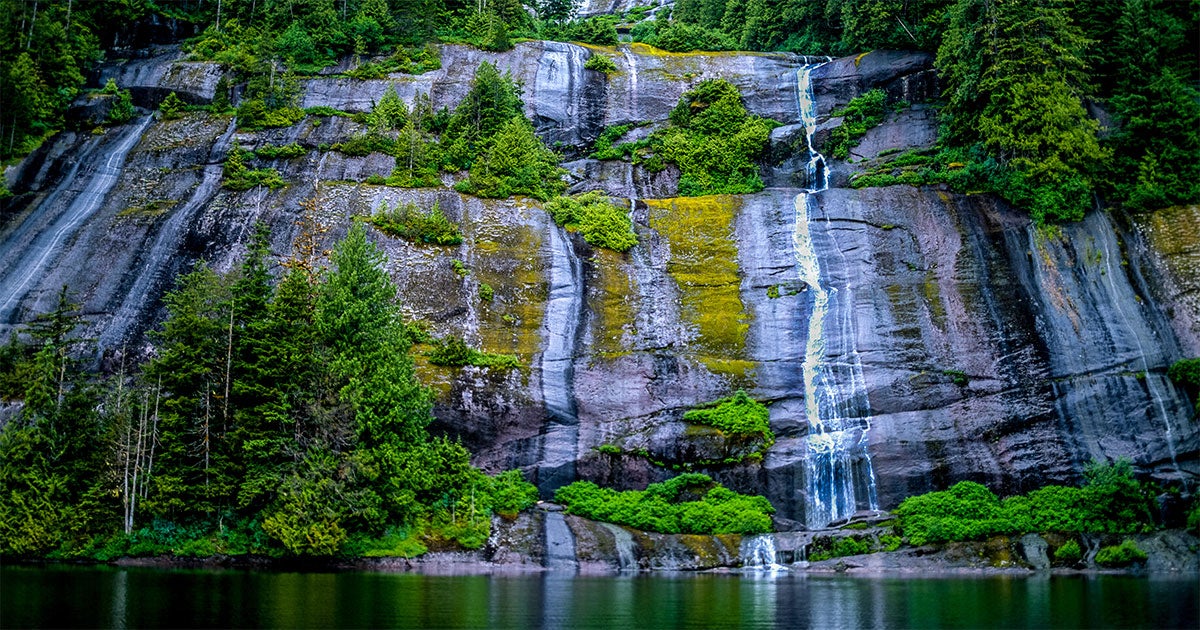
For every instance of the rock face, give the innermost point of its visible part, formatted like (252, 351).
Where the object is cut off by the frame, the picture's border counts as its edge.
(987, 350)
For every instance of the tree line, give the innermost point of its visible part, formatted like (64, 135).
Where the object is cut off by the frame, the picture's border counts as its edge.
(276, 415)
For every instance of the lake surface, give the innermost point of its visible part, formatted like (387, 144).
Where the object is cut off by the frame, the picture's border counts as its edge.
(118, 597)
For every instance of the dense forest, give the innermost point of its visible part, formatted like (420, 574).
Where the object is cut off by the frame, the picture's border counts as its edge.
(279, 413)
(1022, 81)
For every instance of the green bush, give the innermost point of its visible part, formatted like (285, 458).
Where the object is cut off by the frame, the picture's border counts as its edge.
(122, 110)
(454, 352)
(889, 543)
(239, 177)
(286, 152)
(713, 140)
(515, 162)
(1111, 502)
(600, 63)
(409, 223)
(1069, 553)
(605, 150)
(687, 504)
(171, 107)
(861, 114)
(738, 415)
(1186, 374)
(1121, 555)
(253, 115)
(682, 37)
(599, 222)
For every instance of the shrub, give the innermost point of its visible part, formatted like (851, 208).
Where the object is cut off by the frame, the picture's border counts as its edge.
(171, 106)
(1121, 555)
(1069, 553)
(600, 63)
(515, 162)
(454, 352)
(286, 152)
(604, 149)
(122, 110)
(1186, 374)
(966, 511)
(861, 114)
(714, 141)
(407, 222)
(599, 222)
(688, 504)
(239, 177)
(486, 293)
(738, 414)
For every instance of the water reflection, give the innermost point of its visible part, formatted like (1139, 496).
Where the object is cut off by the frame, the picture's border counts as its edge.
(100, 596)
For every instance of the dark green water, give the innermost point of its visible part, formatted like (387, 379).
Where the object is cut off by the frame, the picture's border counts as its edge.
(138, 598)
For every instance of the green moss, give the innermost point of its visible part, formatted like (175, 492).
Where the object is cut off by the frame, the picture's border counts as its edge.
(613, 303)
(703, 262)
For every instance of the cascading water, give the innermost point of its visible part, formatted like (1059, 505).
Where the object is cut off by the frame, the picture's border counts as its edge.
(34, 258)
(166, 245)
(563, 314)
(838, 465)
(560, 543)
(759, 552)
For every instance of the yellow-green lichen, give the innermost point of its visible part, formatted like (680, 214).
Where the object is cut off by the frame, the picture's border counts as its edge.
(703, 262)
(511, 322)
(613, 303)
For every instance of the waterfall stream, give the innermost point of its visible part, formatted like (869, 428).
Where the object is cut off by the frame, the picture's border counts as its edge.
(166, 246)
(838, 466)
(36, 255)
(563, 314)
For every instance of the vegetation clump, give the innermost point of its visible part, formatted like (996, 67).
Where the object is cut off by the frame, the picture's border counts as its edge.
(737, 415)
(600, 63)
(407, 222)
(237, 176)
(1186, 374)
(713, 140)
(454, 352)
(596, 219)
(862, 113)
(171, 107)
(1112, 501)
(285, 152)
(1068, 553)
(1121, 555)
(688, 504)
(604, 149)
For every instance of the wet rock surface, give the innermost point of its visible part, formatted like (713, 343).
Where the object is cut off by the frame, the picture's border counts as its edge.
(989, 351)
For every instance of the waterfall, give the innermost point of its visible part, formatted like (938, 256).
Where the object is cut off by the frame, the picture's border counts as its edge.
(560, 543)
(631, 60)
(563, 314)
(37, 254)
(838, 465)
(623, 541)
(1110, 275)
(759, 552)
(166, 246)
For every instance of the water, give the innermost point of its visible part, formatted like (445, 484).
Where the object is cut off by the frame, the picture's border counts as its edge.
(23, 273)
(148, 598)
(560, 328)
(150, 277)
(759, 553)
(838, 472)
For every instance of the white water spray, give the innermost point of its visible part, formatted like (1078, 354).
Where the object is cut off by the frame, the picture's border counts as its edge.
(838, 465)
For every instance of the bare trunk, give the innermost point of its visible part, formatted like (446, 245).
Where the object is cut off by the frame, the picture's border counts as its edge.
(228, 374)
